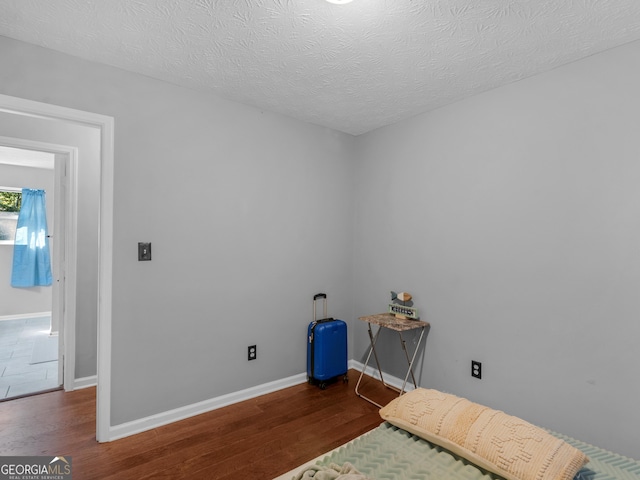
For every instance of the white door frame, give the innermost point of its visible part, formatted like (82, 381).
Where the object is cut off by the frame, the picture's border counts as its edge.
(105, 124)
(64, 254)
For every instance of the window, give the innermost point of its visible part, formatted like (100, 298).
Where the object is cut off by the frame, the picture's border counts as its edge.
(10, 201)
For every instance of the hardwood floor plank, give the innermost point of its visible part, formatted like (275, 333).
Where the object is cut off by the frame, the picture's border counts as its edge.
(261, 437)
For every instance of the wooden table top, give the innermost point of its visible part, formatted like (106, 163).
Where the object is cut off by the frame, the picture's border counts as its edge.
(388, 320)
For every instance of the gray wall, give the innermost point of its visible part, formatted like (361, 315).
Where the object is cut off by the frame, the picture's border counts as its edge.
(18, 301)
(248, 214)
(512, 217)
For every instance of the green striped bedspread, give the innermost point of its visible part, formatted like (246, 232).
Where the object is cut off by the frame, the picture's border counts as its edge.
(388, 452)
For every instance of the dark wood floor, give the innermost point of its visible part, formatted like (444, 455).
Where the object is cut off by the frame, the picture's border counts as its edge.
(259, 438)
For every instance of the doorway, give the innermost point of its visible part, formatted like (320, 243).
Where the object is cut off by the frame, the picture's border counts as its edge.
(20, 109)
(33, 321)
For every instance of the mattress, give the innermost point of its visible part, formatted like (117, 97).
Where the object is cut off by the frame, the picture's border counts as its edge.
(388, 452)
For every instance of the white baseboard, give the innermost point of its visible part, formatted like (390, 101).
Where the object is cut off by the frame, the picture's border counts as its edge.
(85, 382)
(164, 418)
(19, 316)
(147, 423)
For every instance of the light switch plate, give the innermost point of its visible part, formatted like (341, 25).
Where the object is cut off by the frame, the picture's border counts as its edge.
(144, 251)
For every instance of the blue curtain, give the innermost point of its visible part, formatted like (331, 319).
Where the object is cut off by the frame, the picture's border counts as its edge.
(31, 259)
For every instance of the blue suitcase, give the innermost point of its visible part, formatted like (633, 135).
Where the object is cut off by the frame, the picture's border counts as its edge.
(326, 348)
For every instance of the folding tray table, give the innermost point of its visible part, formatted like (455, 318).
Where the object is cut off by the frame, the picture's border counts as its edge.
(391, 322)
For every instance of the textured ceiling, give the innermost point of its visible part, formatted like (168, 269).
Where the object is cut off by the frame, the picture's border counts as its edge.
(353, 67)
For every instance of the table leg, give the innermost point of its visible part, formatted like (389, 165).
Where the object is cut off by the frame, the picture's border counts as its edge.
(410, 362)
(372, 349)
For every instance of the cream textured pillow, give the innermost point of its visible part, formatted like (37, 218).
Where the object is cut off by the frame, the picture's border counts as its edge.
(491, 439)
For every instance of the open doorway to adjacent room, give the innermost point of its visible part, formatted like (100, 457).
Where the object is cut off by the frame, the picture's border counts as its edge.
(31, 319)
(82, 138)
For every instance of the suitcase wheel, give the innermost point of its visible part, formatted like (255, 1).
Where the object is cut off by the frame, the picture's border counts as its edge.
(345, 379)
(322, 385)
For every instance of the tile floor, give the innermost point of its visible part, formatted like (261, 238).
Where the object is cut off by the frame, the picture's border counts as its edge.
(17, 375)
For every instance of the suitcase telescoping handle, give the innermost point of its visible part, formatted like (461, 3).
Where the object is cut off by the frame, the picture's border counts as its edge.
(324, 305)
(324, 318)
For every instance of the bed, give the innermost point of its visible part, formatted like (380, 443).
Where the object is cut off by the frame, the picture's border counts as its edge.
(420, 439)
